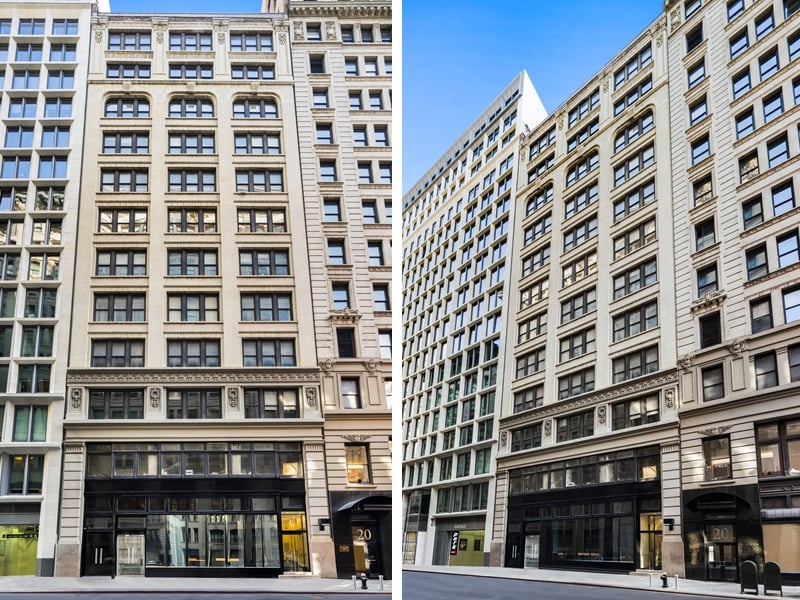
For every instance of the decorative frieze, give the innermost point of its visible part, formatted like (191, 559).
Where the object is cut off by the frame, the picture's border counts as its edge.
(718, 430)
(710, 301)
(206, 376)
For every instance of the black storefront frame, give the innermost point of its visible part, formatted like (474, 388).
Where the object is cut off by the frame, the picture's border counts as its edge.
(519, 525)
(291, 489)
(349, 508)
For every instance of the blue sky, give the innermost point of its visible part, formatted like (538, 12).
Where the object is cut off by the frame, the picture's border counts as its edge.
(457, 56)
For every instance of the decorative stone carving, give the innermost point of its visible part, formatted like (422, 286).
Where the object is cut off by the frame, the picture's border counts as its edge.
(601, 414)
(709, 301)
(98, 36)
(344, 314)
(503, 438)
(221, 37)
(327, 365)
(76, 395)
(675, 18)
(548, 428)
(155, 397)
(162, 377)
(159, 37)
(330, 31)
(233, 397)
(590, 399)
(685, 363)
(282, 39)
(737, 346)
(299, 32)
(371, 365)
(73, 447)
(669, 397)
(719, 430)
(356, 437)
(656, 33)
(311, 397)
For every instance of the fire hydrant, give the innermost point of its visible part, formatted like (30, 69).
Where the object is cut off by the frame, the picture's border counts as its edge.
(363, 581)
(663, 580)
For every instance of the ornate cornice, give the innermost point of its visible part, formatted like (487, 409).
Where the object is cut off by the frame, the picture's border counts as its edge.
(355, 437)
(202, 376)
(641, 384)
(73, 447)
(371, 10)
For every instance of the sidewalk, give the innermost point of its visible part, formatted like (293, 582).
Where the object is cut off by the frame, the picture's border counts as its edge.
(283, 585)
(637, 581)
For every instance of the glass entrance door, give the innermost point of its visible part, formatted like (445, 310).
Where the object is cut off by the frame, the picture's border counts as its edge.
(130, 554)
(532, 551)
(366, 548)
(721, 560)
(98, 554)
(650, 534)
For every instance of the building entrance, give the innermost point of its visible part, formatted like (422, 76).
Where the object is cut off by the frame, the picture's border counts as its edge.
(366, 547)
(130, 554)
(98, 554)
(721, 563)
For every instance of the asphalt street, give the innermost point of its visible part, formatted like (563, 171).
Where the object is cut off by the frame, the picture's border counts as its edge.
(436, 586)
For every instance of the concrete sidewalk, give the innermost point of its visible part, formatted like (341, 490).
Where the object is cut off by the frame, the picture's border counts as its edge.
(283, 585)
(635, 581)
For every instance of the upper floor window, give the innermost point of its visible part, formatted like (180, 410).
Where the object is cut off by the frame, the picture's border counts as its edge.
(583, 167)
(190, 220)
(271, 403)
(251, 42)
(126, 143)
(739, 43)
(185, 180)
(633, 66)
(129, 108)
(121, 263)
(255, 108)
(117, 353)
(779, 448)
(264, 71)
(259, 180)
(191, 71)
(129, 40)
(65, 27)
(635, 364)
(258, 220)
(268, 353)
(694, 38)
(193, 353)
(63, 52)
(584, 107)
(191, 143)
(257, 143)
(116, 404)
(31, 27)
(122, 220)
(128, 71)
(190, 41)
(192, 263)
(264, 262)
(575, 426)
(191, 108)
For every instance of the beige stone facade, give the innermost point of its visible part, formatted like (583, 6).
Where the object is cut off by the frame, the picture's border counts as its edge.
(202, 389)
(44, 47)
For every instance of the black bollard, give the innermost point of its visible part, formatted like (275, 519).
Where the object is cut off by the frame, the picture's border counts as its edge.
(663, 580)
(363, 581)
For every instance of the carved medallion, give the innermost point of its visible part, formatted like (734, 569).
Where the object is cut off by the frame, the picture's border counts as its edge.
(76, 395)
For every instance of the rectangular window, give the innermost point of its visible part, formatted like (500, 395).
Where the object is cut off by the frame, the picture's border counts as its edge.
(635, 364)
(635, 321)
(126, 143)
(259, 180)
(266, 306)
(255, 143)
(192, 307)
(194, 403)
(119, 180)
(127, 108)
(264, 262)
(577, 344)
(635, 238)
(761, 314)
(255, 108)
(129, 40)
(195, 71)
(782, 198)
(350, 393)
(741, 83)
(701, 149)
(710, 330)
(766, 369)
(119, 307)
(25, 473)
(251, 42)
(575, 426)
(257, 220)
(268, 353)
(707, 280)
(748, 167)
(788, 249)
(773, 106)
(765, 22)
(191, 143)
(704, 234)
(635, 412)
(576, 383)
(777, 151)
(200, 180)
(713, 383)
(193, 220)
(380, 294)
(756, 262)
(30, 423)
(717, 457)
(121, 263)
(791, 304)
(116, 404)
(193, 353)
(117, 353)
(634, 279)
(271, 403)
(745, 123)
(696, 73)
(768, 64)
(739, 43)
(127, 71)
(192, 263)
(698, 111)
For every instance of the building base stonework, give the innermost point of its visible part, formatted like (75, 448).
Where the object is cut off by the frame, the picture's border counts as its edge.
(672, 555)
(68, 560)
(323, 563)
(496, 554)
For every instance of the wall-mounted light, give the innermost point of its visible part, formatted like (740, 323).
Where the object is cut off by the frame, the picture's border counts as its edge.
(669, 523)
(322, 522)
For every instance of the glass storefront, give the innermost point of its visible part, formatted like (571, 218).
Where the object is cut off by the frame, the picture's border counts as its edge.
(193, 511)
(18, 545)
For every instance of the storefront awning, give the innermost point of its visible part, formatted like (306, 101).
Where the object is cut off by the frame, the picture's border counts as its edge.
(367, 503)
